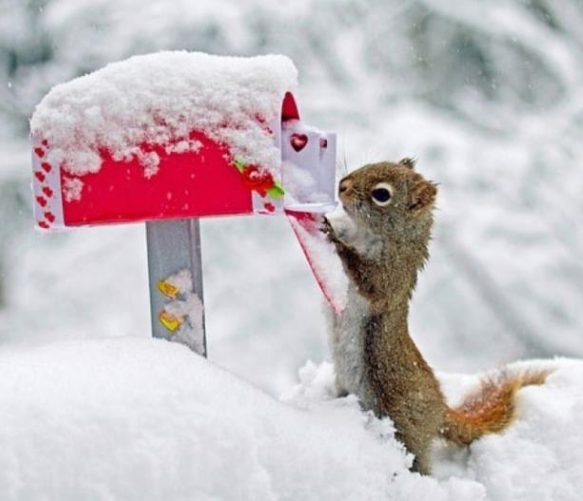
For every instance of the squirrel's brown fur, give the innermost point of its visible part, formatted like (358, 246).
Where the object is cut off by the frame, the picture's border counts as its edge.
(374, 355)
(490, 409)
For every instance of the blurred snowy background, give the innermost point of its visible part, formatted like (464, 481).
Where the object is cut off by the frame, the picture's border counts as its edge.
(487, 96)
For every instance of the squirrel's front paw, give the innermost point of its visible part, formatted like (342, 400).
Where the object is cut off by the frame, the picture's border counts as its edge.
(329, 231)
(326, 227)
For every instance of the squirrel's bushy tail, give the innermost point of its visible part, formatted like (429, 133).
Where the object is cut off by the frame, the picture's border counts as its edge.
(491, 408)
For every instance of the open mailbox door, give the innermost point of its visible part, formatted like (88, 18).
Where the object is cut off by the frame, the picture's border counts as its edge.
(169, 138)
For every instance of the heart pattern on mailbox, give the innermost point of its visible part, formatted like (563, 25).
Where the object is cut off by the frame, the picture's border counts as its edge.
(46, 186)
(298, 141)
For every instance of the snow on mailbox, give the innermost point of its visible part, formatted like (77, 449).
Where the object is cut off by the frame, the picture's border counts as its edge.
(168, 138)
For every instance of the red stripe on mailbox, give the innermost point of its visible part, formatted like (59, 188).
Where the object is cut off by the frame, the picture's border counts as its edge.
(186, 185)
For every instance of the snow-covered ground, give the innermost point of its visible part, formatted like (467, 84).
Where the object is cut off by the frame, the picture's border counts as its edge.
(132, 418)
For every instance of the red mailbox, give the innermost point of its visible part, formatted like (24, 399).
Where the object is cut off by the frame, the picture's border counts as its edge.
(172, 137)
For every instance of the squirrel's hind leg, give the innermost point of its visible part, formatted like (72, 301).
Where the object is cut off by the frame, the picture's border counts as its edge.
(421, 450)
(340, 391)
(421, 465)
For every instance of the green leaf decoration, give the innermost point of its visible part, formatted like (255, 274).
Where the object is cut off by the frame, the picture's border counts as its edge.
(239, 165)
(276, 191)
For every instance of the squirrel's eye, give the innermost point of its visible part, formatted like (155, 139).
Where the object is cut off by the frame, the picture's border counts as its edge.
(381, 194)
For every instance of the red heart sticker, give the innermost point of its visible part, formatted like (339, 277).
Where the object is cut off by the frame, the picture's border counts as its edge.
(46, 167)
(44, 225)
(42, 201)
(298, 141)
(49, 216)
(40, 176)
(39, 152)
(47, 191)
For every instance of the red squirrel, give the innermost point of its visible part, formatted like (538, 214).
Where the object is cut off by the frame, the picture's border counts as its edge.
(391, 208)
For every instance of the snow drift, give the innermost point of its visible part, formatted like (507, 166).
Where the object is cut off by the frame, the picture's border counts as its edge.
(143, 419)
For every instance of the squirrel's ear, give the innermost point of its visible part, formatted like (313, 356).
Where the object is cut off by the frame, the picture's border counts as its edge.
(423, 194)
(407, 162)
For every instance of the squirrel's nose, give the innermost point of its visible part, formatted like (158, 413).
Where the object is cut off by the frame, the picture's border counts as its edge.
(345, 187)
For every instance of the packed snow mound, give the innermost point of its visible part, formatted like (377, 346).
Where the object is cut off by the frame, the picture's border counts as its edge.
(143, 419)
(160, 99)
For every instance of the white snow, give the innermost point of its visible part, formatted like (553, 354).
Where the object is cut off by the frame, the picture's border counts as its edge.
(181, 280)
(144, 419)
(188, 308)
(72, 188)
(160, 99)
